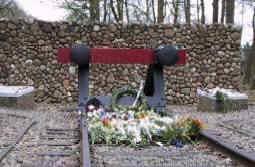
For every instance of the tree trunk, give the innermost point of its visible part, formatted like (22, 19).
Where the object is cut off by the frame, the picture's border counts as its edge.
(127, 11)
(203, 12)
(223, 11)
(198, 11)
(160, 11)
(176, 10)
(253, 27)
(230, 8)
(153, 11)
(251, 61)
(115, 15)
(215, 10)
(187, 11)
(94, 10)
(147, 11)
(105, 11)
(120, 4)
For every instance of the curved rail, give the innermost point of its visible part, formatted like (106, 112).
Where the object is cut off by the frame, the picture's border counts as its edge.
(213, 137)
(10, 148)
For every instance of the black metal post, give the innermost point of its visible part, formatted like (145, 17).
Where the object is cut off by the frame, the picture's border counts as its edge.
(83, 84)
(154, 87)
(159, 91)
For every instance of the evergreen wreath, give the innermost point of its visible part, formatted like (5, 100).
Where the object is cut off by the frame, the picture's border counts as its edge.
(127, 91)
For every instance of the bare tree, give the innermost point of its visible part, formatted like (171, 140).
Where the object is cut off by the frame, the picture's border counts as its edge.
(127, 10)
(153, 11)
(198, 11)
(105, 11)
(9, 9)
(223, 11)
(253, 26)
(78, 10)
(175, 4)
(5, 7)
(94, 10)
(230, 9)
(147, 10)
(202, 12)
(120, 4)
(114, 12)
(160, 11)
(187, 11)
(117, 10)
(215, 10)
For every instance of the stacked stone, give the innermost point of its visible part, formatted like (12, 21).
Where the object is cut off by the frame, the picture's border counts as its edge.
(28, 57)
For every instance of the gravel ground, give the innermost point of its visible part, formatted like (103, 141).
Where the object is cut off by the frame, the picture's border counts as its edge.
(188, 156)
(43, 138)
(211, 119)
(235, 127)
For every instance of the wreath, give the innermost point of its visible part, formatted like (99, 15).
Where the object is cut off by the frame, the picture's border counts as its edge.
(118, 94)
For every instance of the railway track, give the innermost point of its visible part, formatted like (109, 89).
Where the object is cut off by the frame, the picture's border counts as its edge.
(216, 138)
(57, 141)
(52, 141)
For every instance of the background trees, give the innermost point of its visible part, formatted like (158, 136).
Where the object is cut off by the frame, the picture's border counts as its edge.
(215, 10)
(153, 11)
(167, 11)
(230, 8)
(9, 9)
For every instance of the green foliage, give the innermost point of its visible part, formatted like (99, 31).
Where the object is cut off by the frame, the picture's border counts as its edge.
(78, 10)
(222, 102)
(117, 94)
(185, 130)
(9, 9)
(138, 125)
(220, 97)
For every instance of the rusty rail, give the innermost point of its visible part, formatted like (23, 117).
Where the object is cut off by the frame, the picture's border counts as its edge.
(85, 152)
(214, 138)
(11, 147)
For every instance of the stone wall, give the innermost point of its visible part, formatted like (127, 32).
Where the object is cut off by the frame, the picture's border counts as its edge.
(28, 57)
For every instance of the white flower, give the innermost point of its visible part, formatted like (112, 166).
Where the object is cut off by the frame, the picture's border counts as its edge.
(137, 134)
(135, 131)
(159, 144)
(91, 107)
(167, 120)
(145, 126)
(176, 117)
(95, 114)
(90, 114)
(114, 122)
(120, 127)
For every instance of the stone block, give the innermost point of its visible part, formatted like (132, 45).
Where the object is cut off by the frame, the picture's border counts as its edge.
(19, 97)
(208, 103)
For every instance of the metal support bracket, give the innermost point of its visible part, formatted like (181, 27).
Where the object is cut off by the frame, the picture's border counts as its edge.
(83, 84)
(154, 87)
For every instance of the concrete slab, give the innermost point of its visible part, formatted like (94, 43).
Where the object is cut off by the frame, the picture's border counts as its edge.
(207, 103)
(21, 97)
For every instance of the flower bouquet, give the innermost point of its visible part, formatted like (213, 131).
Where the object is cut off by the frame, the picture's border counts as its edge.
(137, 125)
